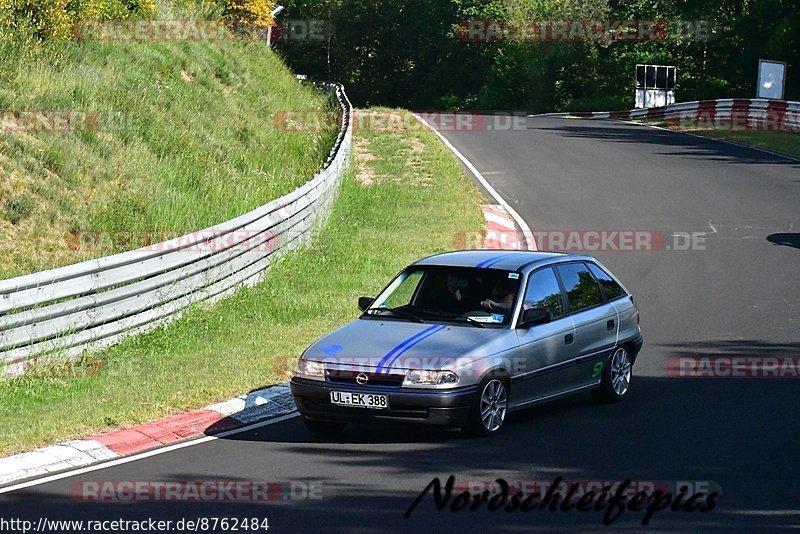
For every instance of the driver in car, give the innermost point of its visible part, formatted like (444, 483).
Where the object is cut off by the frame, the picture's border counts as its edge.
(502, 298)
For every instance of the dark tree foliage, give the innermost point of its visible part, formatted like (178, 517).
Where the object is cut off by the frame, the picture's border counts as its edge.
(406, 53)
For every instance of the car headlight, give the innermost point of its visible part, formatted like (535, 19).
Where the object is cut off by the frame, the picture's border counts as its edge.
(429, 378)
(311, 370)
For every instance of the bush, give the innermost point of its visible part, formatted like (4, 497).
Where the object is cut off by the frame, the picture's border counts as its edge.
(49, 21)
(600, 103)
(250, 12)
(40, 20)
(141, 7)
(111, 9)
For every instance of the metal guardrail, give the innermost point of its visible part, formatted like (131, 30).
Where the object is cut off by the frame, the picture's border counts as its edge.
(753, 112)
(94, 304)
(747, 112)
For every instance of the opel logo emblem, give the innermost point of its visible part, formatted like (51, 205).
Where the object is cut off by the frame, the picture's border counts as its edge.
(362, 378)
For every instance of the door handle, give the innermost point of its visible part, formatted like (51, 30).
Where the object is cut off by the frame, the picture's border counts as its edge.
(610, 324)
(568, 339)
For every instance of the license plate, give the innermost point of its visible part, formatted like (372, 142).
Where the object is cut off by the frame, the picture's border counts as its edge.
(360, 400)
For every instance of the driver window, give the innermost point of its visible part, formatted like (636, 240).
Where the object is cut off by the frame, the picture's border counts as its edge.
(543, 291)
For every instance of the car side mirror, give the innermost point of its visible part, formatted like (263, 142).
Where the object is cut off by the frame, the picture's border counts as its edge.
(364, 303)
(535, 316)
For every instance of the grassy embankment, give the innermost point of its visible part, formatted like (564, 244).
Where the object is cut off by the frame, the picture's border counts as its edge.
(180, 138)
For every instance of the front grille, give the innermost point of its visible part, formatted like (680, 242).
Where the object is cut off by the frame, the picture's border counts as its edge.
(340, 376)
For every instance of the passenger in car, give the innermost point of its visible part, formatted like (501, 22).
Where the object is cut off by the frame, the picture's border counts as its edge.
(455, 300)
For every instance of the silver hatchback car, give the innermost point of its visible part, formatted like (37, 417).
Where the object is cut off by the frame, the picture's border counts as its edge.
(461, 338)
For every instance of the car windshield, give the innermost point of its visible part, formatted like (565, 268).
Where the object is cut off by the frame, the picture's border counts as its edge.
(475, 297)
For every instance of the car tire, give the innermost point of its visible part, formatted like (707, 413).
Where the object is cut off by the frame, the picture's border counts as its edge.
(616, 380)
(323, 427)
(490, 407)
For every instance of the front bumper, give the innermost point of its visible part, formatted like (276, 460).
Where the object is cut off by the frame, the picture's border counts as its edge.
(428, 407)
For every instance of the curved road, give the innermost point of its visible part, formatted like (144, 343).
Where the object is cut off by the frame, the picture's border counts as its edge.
(735, 293)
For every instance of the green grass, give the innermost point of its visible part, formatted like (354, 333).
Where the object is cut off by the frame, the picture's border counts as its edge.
(192, 144)
(417, 199)
(787, 142)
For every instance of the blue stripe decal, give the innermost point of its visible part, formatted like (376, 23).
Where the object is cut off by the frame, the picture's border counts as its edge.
(484, 262)
(426, 336)
(402, 345)
(491, 261)
(498, 260)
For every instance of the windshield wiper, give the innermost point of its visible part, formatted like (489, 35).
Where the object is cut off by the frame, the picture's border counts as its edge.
(455, 316)
(399, 311)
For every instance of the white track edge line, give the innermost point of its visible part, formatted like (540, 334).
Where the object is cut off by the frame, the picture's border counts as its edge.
(527, 234)
(143, 455)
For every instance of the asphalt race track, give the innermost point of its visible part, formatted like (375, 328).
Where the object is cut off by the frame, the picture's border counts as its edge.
(735, 293)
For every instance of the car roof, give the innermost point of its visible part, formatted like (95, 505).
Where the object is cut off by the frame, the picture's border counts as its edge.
(510, 260)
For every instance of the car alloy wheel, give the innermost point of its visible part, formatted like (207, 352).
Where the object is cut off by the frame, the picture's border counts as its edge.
(493, 405)
(620, 371)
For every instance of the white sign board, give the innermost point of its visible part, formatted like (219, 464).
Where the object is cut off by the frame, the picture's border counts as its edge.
(771, 77)
(655, 85)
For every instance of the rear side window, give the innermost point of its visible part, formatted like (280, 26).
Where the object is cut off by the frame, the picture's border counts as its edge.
(581, 287)
(543, 291)
(612, 289)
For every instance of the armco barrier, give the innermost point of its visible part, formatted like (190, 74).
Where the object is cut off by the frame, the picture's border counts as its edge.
(755, 113)
(94, 304)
